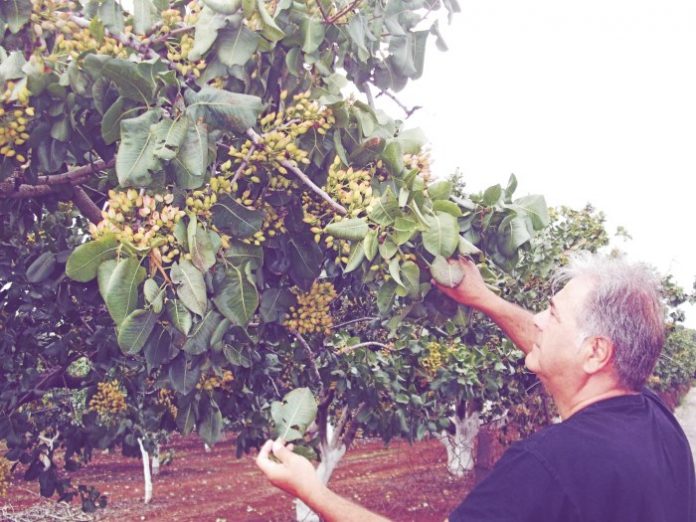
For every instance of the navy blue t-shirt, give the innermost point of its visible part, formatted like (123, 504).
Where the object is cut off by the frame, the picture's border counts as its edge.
(624, 459)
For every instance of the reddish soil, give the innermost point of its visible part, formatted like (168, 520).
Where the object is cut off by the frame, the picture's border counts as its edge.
(403, 482)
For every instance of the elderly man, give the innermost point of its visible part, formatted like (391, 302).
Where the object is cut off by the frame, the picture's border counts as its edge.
(618, 455)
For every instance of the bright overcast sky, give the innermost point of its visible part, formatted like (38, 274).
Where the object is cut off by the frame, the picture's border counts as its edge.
(591, 101)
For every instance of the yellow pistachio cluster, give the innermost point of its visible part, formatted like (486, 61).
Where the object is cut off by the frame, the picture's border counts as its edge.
(177, 53)
(273, 223)
(75, 40)
(171, 18)
(312, 314)
(351, 188)
(109, 399)
(438, 354)
(420, 162)
(165, 397)
(279, 134)
(215, 382)
(144, 221)
(5, 476)
(15, 116)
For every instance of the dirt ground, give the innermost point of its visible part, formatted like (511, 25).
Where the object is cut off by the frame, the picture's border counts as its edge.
(403, 482)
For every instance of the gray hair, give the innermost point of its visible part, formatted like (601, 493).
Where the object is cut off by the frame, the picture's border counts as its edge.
(625, 305)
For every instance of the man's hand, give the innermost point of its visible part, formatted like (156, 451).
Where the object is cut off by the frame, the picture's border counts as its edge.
(293, 474)
(472, 291)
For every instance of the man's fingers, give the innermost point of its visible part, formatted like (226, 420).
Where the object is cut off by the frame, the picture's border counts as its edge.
(282, 452)
(262, 459)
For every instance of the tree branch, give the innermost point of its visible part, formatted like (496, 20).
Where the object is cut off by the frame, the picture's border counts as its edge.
(313, 361)
(348, 9)
(174, 32)
(408, 111)
(244, 163)
(88, 208)
(368, 93)
(305, 179)
(363, 345)
(353, 426)
(45, 184)
(352, 321)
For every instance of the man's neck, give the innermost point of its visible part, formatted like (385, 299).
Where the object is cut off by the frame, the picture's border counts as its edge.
(581, 402)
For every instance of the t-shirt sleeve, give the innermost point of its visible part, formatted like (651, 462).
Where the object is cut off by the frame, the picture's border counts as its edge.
(520, 488)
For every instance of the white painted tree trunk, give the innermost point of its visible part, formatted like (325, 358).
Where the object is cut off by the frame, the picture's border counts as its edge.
(156, 461)
(146, 472)
(330, 457)
(207, 448)
(460, 446)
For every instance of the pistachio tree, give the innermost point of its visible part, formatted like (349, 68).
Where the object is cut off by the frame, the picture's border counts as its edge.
(211, 206)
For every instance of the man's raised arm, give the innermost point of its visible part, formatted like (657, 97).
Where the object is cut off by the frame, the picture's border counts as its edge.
(516, 322)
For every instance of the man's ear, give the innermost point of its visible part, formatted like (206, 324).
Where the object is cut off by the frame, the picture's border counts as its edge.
(600, 351)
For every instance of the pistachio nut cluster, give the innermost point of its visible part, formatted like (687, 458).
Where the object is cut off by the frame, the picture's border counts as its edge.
(312, 313)
(273, 223)
(165, 397)
(74, 40)
(177, 53)
(15, 117)
(280, 132)
(420, 162)
(438, 354)
(215, 382)
(109, 400)
(143, 221)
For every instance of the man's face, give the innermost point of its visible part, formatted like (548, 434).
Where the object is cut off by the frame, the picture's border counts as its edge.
(556, 356)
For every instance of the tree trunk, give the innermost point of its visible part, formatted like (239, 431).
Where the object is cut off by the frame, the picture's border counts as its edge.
(156, 461)
(460, 445)
(146, 472)
(330, 457)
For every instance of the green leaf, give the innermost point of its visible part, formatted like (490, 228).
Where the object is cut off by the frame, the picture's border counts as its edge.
(84, 261)
(240, 253)
(191, 286)
(467, 248)
(226, 7)
(492, 195)
(355, 257)
(440, 190)
(450, 207)
(385, 209)
(395, 272)
(294, 414)
(370, 245)
(96, 29)
(15, 13)
(224, 110)
(109, 12)
(393, 158)
(41, 268)
(134, 330)
(404, 228)
(135, 81)
(210, 426)
(234, 219)
(535, 207)
(144, 16)
(179, 315)
(104, 274)
(184, 375)
(121, 288)
(312, 30)
(207, 27)
(306, 259)
(159, 349)
(352, 229)
(136, 160)
(275, 303)
(191, 163)
(388, 248)
(412, 140)
(202, 252)
(446, 273)
(186, 412)
(170, 134)
(236, 297)
(411, 277)
(219, 334)
(199, 340)
(111, 122)
(513, 232)
(154, 295)
(385, 297)
(235, 356)
(442, 235)
(11, 66)
(270, 29)
(236, 46)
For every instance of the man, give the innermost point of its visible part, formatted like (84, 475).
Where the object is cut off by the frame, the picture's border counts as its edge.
(618, 455)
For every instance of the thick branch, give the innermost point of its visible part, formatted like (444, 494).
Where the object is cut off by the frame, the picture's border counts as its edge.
(348, 9)
(45, 184)
(353, 426)
(305, 179)
(352, 321)
(313, 361)
(88, 208)
(368, 94)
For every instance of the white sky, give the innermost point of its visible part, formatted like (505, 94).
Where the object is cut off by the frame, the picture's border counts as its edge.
(591, 101)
